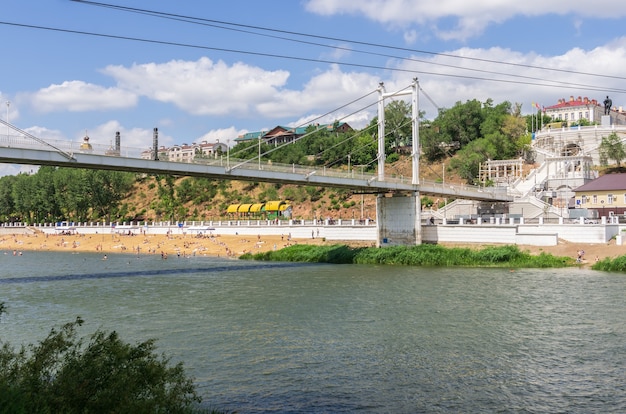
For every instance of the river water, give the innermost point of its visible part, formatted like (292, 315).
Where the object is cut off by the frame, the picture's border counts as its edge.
(311, 338)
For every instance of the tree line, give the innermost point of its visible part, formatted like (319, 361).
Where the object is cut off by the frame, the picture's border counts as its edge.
(55, 194)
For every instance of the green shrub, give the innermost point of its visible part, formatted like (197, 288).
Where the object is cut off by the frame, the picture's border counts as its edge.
(421, 255)
(338, 254)
(611, 265)
(66, 374)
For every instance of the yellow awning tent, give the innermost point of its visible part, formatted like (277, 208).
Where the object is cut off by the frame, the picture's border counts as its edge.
(244, 208)
(256, 208)
(274, 205)
(232, 208)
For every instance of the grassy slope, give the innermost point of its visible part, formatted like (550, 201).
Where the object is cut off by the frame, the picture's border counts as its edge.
(331, 204)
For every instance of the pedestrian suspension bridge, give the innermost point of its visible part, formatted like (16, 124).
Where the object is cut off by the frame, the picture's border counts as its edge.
(398, 204)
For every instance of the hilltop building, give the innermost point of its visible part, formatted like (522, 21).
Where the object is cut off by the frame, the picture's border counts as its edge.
(276, 136)
(563, 182)
(574, 110)
(186, 153)
(284, 135)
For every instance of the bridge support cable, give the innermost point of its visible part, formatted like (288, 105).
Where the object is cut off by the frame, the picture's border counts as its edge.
(381, 131)
(39, 140)
(437, 107)
(319, 128)
(412, 90)
(415, 132)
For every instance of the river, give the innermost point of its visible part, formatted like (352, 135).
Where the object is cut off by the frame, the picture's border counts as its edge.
(311, 338)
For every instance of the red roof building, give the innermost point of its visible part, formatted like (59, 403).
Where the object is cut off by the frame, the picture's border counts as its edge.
(573, 110)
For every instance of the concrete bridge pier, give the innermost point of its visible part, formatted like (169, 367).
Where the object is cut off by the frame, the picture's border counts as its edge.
(398, 220)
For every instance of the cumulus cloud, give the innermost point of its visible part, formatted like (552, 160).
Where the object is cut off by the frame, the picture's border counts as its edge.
(472, 17)
(102, 137)
(224, 135)
(356, 120)
(528, 80)
(206, 88)
(327, 90)
(46, 133)
(79, 96)
(201, 87)
(341, 51)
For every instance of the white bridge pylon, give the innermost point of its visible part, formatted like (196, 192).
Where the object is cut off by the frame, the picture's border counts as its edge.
(412, 90)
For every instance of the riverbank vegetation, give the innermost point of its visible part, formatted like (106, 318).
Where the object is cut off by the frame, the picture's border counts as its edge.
(420, 255)
(617, 264)
(64, 373)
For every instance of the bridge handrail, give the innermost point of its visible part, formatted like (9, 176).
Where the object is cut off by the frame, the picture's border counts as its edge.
(73, 147)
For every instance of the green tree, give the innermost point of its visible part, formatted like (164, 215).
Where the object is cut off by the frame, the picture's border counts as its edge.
(364, 152)
(106, 189)
(185, 189)
(24, 202)
(168, 203)
(46, 206)
(462, 122)
(7, 203)
(467, 163)
(452, 129)
(397, 125)
(612, 148)
(67, 374)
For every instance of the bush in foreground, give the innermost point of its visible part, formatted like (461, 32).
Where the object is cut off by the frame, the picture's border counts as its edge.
(420, 255)
(62, 374)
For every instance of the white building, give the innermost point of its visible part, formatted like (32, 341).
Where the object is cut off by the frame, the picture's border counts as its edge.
(187, 153)
(574, 110)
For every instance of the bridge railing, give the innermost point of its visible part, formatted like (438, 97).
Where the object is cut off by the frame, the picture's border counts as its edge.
(354, 173)
(594, 128)
(72, 147)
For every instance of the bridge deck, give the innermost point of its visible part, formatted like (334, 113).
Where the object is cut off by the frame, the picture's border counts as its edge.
(22, 151)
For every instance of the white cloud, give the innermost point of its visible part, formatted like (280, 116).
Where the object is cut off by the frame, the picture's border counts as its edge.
(247, 91)
(357, 120)
(340, 51)
(466, 85)
(472, 17)
(79, 96)
(224, 135)
(206, 88)
(47, 134)
(410, 37)
(202, 87)
(132, 140)
(328, 90)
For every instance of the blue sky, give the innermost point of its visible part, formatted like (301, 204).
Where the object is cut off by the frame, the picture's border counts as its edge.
(214, 80)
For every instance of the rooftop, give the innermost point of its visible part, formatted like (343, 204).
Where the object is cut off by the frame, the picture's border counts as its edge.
(605, 182)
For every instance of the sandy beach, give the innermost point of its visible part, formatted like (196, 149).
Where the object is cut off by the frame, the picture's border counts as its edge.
(170, 245)
(235, 245)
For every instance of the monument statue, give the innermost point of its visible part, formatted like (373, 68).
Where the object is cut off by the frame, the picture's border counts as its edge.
(608, 103)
